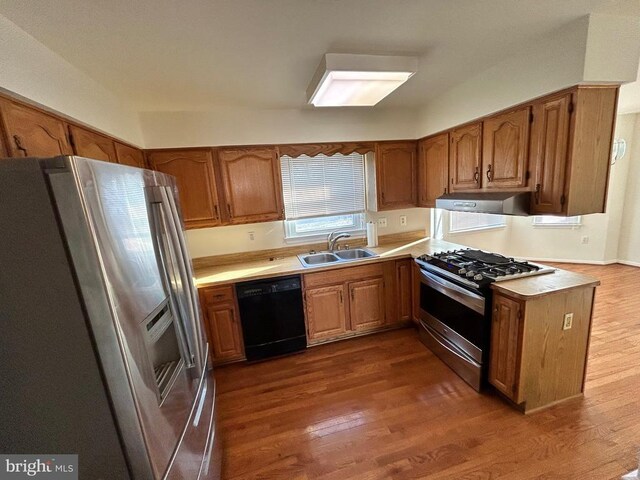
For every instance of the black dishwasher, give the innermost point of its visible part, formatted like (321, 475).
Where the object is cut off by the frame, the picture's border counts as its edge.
(272, 316)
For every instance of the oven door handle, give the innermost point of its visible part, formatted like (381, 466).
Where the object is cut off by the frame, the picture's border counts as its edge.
(447, 345)
(473, 301)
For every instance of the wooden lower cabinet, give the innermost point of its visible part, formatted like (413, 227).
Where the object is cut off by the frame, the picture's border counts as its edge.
(536, 361)
(403, 290)
(222, 321)
(366, 304)
(506, 346)
(326, 314)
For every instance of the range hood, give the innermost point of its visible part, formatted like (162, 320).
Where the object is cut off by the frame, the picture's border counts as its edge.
(500, 203)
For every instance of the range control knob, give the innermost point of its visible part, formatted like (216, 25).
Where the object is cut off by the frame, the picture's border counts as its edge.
(462, 271)
(478, 277)
(470, 274)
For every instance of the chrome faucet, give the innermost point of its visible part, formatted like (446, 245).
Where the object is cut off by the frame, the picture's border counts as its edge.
(334, 237)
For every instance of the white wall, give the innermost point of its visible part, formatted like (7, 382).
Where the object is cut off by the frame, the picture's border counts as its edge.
(629, 242)
(30, 69)
(206, 242)
(244, 126)
(577, 53)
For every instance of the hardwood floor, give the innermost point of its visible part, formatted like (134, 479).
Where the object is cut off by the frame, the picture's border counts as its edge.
(384, 407)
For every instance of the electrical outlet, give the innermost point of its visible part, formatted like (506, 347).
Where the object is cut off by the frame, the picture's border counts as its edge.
(403, 220)
(382, 222)
(585, 240)
(568, 321)
(252, 236)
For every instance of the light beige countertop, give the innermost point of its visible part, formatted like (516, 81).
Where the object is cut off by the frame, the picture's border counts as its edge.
(523, 288)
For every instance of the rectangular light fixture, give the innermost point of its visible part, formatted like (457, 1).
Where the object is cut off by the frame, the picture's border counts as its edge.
(343, 80)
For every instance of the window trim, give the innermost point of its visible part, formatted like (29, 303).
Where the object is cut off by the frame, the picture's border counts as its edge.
(355, 232)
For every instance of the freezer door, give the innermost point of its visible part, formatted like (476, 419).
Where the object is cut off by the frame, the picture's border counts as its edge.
(125, 233)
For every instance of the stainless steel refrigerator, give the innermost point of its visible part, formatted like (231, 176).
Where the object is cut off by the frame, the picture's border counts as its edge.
(102, 347)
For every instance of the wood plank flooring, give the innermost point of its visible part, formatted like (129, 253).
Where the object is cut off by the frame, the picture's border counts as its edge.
(384, 407)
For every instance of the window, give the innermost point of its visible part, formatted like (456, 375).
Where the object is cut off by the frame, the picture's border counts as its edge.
(551, 221)
(467, 222)
(323, 193)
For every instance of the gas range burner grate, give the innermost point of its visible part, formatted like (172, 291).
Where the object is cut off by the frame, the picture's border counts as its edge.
(479, 268)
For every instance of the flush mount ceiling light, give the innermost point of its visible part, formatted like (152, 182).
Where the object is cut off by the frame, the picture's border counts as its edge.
(345, 80)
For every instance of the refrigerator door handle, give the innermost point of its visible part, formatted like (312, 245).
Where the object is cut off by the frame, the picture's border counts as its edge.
(184, 266)
(164, 251)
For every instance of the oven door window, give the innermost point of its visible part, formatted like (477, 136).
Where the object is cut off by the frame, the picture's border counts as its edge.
(458, 317)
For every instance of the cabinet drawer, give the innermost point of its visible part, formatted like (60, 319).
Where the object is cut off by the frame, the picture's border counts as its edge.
(218, 294)
(347, 274)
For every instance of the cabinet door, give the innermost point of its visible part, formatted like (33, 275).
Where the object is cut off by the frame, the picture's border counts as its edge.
(131, 156)
(326, 317)
(32, 133)
(549, 145)
(506, 149)
(433, 169)
(396, 175)
(92, 145)
(194, 174)
(224, 331)
(506, 345)
(252, 184)
(465, 157)
(366, 304)
(404, 289)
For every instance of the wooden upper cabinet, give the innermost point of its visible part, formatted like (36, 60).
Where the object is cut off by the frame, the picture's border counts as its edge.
(396, 175)
(433, 169)
(33, 133)
(326, 315)
(505, 146)
(131, 156)
(366, 304)
(252, 184)
(506, 345)
(549, 146)
(195, 177)
(92, 145)
(465, 157)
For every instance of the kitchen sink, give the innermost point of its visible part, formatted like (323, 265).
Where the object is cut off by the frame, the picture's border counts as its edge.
(342, 256)
(318, 259)
(355, 254)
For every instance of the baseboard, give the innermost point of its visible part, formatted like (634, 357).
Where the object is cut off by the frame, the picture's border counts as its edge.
(627, 262)
(572, 260)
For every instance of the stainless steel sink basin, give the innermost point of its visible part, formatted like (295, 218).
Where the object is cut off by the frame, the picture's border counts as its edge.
(318, 259)
(342, 256)
(355, 254)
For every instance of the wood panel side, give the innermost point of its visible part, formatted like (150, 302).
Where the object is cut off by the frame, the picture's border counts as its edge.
(553, 359)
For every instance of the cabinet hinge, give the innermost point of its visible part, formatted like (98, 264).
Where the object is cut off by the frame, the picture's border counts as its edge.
(570, 107)
(562, 200)
(530, 117)
(519, 314)
(527, 175)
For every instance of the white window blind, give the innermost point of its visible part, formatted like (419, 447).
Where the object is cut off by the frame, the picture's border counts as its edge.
(322, 185)
(466, 222)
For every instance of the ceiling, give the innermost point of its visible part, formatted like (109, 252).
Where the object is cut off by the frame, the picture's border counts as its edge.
(191, 55)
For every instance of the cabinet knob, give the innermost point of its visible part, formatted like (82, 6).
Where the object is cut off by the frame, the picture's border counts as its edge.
(476, 176)
(489, 173)
(537, 194)
(229, 210)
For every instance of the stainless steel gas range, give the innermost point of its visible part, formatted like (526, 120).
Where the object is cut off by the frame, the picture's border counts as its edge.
(455, 305)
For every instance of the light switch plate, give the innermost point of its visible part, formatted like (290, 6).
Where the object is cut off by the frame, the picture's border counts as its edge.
(382, 222)
(403, 220)
(568, 321)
